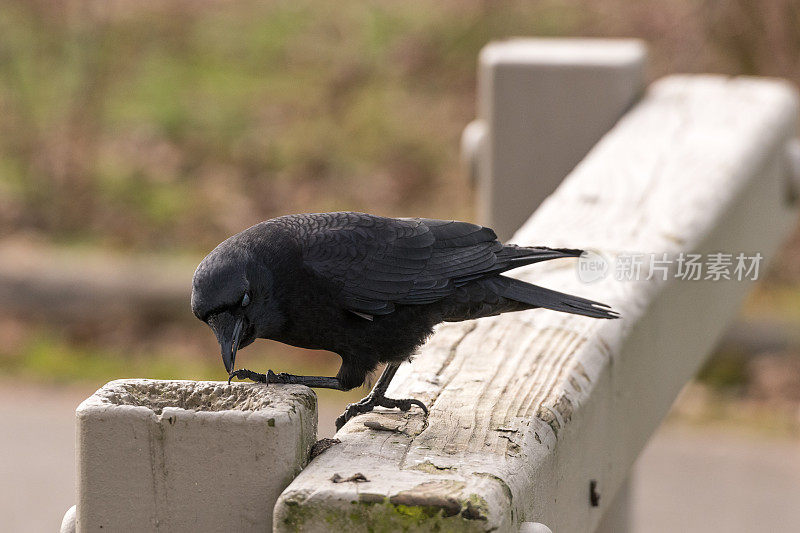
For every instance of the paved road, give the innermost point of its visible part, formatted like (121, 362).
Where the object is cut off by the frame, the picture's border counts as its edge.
(37, 456)
(700, 481)
(686, 480)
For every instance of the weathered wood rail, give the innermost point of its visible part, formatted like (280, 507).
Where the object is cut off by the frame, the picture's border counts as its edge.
(538, 416)
(535, 417)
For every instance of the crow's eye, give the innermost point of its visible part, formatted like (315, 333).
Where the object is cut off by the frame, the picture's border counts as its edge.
(245, 299)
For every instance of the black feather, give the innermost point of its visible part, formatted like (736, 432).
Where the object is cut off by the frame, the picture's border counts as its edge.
(536, 296)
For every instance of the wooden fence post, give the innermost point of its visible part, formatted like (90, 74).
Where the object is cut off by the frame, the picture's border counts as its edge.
(189, 456)
(542, 105)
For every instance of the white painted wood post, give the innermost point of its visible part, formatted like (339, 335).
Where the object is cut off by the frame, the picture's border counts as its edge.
(529, 410)
(542, 105)
(189, 456)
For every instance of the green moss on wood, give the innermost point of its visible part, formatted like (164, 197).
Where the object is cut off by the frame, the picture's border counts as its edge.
(373, 513)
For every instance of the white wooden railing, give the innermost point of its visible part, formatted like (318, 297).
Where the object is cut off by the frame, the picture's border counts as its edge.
(535, 417)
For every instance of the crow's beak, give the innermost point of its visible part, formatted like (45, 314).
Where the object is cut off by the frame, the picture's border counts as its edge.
(228, 330)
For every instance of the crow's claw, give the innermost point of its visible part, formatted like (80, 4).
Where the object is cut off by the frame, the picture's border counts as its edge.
(405, 405)
(243, 373)
(269, 377)
(371, 402)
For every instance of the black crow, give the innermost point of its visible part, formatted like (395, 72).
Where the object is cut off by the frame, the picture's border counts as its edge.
(366, 287)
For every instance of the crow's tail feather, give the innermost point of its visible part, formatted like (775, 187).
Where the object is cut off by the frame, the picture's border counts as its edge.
(512, 256)
(536, 296)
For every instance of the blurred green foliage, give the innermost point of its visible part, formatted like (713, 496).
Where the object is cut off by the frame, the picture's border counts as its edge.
(43, 353)
(726, 371)
(143, 124)
(175, 124)
(172, 124)
(48, 358)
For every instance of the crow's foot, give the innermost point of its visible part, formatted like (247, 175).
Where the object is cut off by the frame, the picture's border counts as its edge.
(371, 402)
(284, 378)
(269, 377)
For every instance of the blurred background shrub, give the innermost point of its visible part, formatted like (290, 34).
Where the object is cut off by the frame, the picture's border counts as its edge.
(157, 128)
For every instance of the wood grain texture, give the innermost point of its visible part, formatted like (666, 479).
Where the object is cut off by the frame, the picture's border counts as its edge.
(526, 409)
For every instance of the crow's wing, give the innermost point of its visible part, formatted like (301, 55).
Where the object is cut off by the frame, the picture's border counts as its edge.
(378, 262)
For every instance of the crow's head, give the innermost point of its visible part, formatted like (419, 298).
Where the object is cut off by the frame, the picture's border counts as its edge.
(232, 293)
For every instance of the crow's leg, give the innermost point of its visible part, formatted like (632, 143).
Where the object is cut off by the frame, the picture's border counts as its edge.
(376, 398)
(320, 382)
